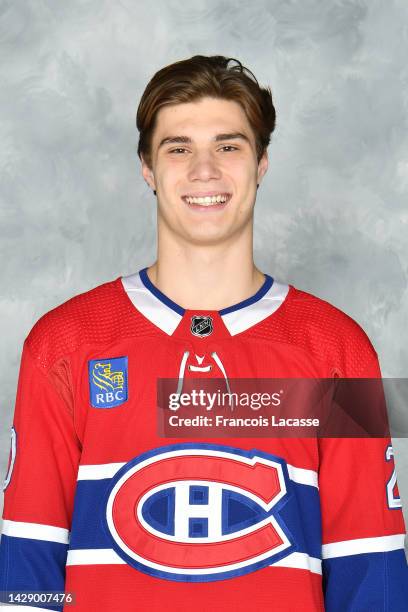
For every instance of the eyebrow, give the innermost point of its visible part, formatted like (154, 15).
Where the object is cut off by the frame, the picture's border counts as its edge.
(217, 138)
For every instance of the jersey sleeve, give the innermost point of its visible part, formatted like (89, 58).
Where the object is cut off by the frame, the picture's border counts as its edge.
(363, 559)
(40, 483)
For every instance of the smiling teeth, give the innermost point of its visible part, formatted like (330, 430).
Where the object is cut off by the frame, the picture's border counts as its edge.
(207, 200)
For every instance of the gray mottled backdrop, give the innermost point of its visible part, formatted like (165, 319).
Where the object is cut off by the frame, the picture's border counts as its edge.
(331, 216)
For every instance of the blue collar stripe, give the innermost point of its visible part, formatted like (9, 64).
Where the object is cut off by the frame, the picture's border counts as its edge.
(163, 298)
(258, 295)
(168, 302)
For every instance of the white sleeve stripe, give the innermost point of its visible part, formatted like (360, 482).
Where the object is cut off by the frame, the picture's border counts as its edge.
(363, 545)
(35, 531)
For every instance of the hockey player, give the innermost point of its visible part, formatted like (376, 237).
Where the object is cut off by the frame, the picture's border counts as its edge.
(97, 503)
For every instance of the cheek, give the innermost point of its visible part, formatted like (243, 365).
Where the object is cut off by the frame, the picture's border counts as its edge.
(240, 169)
(168, 175)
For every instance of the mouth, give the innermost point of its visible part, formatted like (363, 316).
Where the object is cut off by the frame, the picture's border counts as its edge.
(213, 201)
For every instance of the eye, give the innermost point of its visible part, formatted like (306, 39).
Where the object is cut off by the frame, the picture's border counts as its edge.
(177, 149)
(231, 147)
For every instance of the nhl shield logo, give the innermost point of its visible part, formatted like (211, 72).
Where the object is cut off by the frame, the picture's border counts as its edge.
(201, 326)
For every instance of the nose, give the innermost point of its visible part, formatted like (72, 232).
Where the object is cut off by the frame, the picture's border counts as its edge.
(203, 167)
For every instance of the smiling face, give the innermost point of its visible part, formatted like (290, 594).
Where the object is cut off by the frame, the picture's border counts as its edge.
(205, 170)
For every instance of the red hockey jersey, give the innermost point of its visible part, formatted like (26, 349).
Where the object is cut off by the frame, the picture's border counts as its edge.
(97, 503)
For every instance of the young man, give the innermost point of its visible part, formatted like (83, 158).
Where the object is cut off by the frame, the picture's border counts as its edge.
(97, 503)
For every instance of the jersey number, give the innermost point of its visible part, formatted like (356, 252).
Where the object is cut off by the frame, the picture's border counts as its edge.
(393, 502)
(12, 458)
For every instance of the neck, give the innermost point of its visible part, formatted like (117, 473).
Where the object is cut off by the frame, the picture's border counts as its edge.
(206, 277)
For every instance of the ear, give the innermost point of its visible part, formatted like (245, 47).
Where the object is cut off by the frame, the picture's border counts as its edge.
(147, 173)
(262, 166)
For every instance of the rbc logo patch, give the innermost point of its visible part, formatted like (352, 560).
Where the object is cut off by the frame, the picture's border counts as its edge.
(108, 382)
(199, 512)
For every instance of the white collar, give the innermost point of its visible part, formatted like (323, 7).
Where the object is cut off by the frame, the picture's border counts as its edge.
(166, 314)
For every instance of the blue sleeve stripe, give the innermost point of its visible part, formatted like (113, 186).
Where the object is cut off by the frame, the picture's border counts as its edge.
(32, 565)
(372, 581)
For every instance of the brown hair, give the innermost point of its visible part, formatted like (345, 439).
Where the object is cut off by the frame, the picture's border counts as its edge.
(201, 76)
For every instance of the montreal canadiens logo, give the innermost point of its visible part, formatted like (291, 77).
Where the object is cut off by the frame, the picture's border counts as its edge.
(199, 512)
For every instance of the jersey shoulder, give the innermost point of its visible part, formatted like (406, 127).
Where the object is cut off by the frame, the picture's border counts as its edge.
(100, 315)
(324, 331)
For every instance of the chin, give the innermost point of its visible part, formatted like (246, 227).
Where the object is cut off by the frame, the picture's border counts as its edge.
(206, 238)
